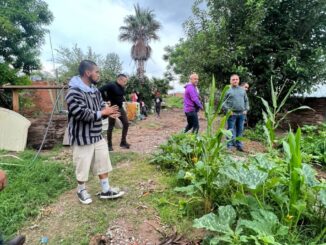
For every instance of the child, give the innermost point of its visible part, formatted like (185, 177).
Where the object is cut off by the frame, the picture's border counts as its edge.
(158, 103)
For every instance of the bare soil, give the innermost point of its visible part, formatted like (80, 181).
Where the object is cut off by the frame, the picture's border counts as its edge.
(145, 136)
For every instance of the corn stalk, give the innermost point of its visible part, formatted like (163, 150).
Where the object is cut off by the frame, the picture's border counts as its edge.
(271, 113)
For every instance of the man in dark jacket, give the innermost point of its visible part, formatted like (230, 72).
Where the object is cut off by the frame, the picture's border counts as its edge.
(114, 92)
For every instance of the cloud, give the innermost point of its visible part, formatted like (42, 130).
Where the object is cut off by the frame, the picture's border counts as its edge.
(96, 23)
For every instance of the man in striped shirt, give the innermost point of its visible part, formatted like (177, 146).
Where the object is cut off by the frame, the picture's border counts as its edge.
(85, 111)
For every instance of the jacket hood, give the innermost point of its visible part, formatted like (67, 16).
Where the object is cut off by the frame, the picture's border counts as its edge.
(76, 82)
(188, 84)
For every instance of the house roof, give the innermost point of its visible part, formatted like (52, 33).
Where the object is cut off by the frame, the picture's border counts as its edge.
(318, 91)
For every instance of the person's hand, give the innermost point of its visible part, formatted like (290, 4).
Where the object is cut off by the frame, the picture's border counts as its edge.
(3, 180)
(115, 115)
(110, 110)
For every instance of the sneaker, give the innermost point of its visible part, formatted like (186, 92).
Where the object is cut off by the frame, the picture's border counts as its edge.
(111, 194)
(84, 197)
(18, 240)
(240, 149)
(125, 145)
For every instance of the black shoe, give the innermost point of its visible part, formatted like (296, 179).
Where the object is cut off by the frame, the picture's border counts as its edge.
(111, 194)
(18, 240)
(240, 149)
(110, 148)
(125, 145)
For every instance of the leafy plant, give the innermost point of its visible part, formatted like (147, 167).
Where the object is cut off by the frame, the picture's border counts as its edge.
(314, 143)
(179, 153)
(221, 225)
(266, 227)
(271, 113)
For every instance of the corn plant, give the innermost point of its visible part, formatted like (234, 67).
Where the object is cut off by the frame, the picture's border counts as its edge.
(211, 111)
(203, 175)
(270, 115)
(292, 150)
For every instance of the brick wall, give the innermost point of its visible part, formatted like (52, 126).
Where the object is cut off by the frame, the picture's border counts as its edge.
(302, 117)
(38, 100)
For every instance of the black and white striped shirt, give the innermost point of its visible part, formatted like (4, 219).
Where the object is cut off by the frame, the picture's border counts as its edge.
(85, 124)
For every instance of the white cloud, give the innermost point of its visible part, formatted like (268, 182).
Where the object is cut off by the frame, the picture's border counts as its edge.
(96, 23)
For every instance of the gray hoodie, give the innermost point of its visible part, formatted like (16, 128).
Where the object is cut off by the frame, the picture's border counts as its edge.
(236, 100)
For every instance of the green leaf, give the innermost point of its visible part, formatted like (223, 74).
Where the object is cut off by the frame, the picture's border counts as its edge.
(322, 197)
(268, 110)
(274, 96)
(289, 112)
(252, 177)
(300, 205)
(309, 175)
(264, 163)
(221, 223)
(246, 200)
(265, 224)
(285, 99)
(189, 190)
(221, 100)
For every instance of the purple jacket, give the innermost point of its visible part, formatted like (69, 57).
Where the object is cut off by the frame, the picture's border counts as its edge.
(191, 100)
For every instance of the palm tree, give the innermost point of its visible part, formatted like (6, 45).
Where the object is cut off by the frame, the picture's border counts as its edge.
(140, 29)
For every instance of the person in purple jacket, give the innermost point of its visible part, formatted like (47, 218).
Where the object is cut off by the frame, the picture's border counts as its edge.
(192, 104)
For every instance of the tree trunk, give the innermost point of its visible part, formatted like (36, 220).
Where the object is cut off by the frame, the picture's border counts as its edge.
(140, 69)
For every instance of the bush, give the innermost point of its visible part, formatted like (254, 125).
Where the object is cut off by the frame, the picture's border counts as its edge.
(180, 152)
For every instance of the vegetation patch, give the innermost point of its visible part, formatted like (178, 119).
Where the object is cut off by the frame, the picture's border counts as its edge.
(30, 187)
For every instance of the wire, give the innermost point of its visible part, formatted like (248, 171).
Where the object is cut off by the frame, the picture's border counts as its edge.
(49, 124)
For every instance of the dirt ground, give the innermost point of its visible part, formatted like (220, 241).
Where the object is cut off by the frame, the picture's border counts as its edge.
(147, 135)
(127, 221)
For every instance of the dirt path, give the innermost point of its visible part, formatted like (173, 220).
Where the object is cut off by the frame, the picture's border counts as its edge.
(147, 135)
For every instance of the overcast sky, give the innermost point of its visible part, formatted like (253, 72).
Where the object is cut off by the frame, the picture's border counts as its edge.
(96, 23)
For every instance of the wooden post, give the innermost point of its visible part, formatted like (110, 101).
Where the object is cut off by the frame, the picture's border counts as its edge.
(15, 100)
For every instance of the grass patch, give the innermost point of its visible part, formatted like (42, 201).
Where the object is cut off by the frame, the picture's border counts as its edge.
(173, 209)
(29, 188)
(173, 102)
(119, 157)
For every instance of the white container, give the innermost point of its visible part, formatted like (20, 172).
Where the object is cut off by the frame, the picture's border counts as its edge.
(13, 130)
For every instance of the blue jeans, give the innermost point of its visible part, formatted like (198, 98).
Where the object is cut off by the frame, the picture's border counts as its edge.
(236, 125)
